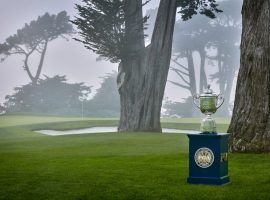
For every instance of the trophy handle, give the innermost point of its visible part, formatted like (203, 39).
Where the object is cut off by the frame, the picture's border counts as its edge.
(220, 100)
(196, 98)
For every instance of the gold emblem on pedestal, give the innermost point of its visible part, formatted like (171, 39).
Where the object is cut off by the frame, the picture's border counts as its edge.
(204, 157)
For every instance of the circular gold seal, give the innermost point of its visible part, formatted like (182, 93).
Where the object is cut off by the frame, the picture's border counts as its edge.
(204, 157)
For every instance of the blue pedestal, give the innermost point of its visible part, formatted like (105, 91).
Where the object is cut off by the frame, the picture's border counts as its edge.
(208, 159)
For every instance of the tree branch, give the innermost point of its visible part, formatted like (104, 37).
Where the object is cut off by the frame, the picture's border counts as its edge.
(32, 50)
(180, 71)
(26, 68)
(179, 64)
(182, 77)
(211, 57)
(180, 85)
(19, 50)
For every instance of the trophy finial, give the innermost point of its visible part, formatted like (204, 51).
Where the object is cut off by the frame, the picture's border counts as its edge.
(208, 90)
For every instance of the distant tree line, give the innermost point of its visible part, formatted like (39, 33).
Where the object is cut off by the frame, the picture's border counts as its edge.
(106, 101)
(55, 96)
(52, 95)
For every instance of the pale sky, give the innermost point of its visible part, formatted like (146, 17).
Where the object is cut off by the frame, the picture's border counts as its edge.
(64, 58)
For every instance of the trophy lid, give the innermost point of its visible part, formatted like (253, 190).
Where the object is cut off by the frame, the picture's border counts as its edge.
(208, 92)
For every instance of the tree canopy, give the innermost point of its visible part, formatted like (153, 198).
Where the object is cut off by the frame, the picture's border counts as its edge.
(102, 24)
(189, 8)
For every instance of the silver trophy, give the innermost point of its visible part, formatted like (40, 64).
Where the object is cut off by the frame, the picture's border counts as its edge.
(208, 103)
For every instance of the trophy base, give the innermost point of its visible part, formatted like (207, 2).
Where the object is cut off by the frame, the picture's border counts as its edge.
(208, 125)
(208, 159)
(209, 180)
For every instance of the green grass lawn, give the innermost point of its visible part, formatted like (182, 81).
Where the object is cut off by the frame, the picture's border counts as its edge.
(15, 120)
(113, 165)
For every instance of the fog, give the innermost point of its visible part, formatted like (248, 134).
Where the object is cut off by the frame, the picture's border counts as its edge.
(70, 57)
(65, 58)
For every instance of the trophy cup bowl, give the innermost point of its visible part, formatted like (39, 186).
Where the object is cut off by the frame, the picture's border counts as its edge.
(208, 103)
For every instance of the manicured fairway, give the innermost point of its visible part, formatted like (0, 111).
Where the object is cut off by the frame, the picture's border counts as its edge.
(115, 165)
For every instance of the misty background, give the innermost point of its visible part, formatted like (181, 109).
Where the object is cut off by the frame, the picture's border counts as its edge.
(71, 59)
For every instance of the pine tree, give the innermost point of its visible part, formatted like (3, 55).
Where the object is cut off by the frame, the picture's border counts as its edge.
(34, 38)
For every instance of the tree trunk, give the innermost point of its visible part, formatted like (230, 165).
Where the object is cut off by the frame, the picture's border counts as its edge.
(26, 68)
(34, 79)
(225, 80)
(227, 95)
(250, 125)
(142, 78)
(131, 69)
(191, 72)
(225, 86)
(41, 61)
(203, 78)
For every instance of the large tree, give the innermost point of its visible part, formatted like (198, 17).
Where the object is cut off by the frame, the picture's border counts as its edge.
(115, 30)
(34, 38)
(250, 124)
